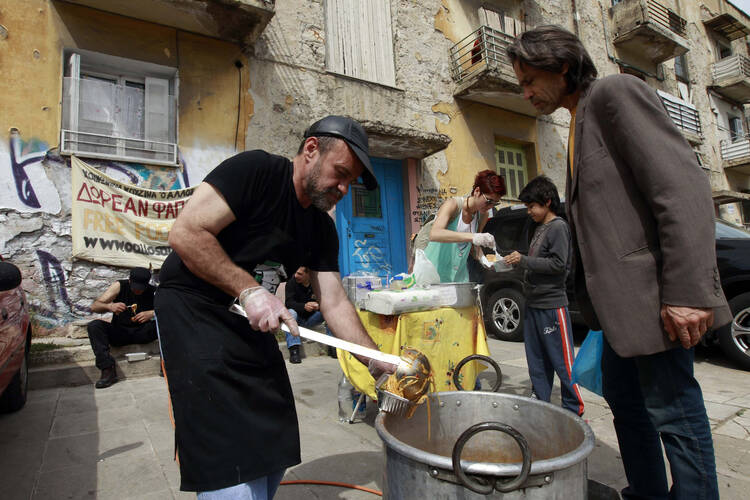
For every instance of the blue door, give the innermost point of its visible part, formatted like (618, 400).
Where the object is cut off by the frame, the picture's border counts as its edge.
(371, 224)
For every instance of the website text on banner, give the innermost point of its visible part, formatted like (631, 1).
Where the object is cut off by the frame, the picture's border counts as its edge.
(121, 224)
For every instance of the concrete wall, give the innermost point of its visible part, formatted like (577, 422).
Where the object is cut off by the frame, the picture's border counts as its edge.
(475, 128)
(291, 87)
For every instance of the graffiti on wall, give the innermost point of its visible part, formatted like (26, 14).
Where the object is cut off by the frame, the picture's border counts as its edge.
(58, 309)
(369, 257)
(24, 185)
(156, 178)
(428, 202)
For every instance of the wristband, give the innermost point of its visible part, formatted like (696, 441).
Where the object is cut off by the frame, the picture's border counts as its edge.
(247, 291)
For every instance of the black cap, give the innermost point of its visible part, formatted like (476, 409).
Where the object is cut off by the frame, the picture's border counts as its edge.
(139, 278)
(355, 136)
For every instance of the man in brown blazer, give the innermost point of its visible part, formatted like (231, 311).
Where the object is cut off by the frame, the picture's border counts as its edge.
(641, 216)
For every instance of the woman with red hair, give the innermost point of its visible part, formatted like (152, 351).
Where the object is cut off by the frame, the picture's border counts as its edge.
(458, 228)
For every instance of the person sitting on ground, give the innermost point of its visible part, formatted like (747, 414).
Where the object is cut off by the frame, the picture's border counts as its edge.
(304, 308)
(131, 303)
(459, 225)
(547, 331)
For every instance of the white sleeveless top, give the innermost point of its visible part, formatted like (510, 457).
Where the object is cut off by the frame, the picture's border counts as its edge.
(463, 227)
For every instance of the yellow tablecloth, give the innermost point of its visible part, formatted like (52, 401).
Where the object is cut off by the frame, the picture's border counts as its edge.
(445, 336)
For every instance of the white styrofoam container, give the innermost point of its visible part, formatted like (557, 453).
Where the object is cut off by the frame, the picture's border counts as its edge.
(136, 356)
(390, 302)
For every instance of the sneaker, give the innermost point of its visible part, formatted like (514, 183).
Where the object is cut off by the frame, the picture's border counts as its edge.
(294, 356)
(109, 377)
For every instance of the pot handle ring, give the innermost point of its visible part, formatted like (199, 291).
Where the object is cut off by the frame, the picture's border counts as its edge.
(484, 486)
(479, 357)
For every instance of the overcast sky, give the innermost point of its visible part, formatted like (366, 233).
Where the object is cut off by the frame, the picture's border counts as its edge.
(742, 4)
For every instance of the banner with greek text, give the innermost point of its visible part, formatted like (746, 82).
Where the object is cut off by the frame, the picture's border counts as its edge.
(121, 224)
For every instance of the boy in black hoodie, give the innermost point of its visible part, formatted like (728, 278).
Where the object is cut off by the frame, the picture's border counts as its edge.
(547, 329)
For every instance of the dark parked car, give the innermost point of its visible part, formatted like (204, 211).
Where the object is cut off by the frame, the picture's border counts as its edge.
(503, 302)
(15, 339)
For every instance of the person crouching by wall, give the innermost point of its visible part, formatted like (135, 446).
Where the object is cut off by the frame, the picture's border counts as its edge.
(131, 303)
(304, 308)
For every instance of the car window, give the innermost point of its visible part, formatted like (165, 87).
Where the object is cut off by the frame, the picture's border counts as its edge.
(726, 230)
(508, 233)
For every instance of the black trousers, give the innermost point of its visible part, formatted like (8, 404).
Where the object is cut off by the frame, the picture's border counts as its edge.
(103, 334)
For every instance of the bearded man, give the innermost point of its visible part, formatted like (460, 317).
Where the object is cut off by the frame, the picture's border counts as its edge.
(236, 425)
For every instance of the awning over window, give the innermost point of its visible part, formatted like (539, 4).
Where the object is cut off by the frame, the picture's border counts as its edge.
(390, 141)
(724, 196)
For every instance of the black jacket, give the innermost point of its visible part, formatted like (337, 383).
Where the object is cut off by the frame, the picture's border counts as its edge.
(297, 295)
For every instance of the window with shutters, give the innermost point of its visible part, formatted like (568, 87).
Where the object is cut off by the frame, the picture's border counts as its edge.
(510, 162)
(121, 109)
(745, 209)
(723, 49)
(680, 68)
(735, 128)
(359, 42)
(499, 20)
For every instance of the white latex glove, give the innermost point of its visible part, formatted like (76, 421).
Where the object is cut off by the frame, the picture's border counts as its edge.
(264, 310)
(483, 240)
(377, 368)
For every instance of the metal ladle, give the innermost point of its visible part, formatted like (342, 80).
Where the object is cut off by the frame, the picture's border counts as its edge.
(413, 374)
(412, 367)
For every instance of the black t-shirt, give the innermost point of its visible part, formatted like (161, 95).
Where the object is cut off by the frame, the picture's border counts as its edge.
(135, 304)
(270, 223)
(297, 295)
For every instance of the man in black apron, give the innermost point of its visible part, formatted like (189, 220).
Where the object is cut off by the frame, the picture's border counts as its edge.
(131, 303)
(235, 422)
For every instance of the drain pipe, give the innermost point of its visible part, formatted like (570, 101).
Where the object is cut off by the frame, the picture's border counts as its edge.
(620, 62)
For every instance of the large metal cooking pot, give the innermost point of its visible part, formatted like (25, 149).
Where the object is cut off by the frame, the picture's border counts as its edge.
(508, 447)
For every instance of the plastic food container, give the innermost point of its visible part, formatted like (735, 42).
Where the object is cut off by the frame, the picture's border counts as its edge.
(136, 356)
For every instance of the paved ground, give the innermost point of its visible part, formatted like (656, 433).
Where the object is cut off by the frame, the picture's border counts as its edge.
(78, 442)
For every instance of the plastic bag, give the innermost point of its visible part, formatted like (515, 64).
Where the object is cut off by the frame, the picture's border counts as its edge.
(424, 270)
(587, 367)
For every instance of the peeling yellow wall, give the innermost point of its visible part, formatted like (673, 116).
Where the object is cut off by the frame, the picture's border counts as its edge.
(445, 22)
(31, 58)
(457, 18)
(474, 129)
(209, 92)
(30, 61)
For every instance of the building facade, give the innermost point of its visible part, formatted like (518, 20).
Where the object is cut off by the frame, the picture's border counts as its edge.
(158, 92)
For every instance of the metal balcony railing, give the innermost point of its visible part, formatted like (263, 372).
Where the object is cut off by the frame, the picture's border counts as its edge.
(684, 115)
(482, 49)
(735, 149)
(665, 17)
(732, 66)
